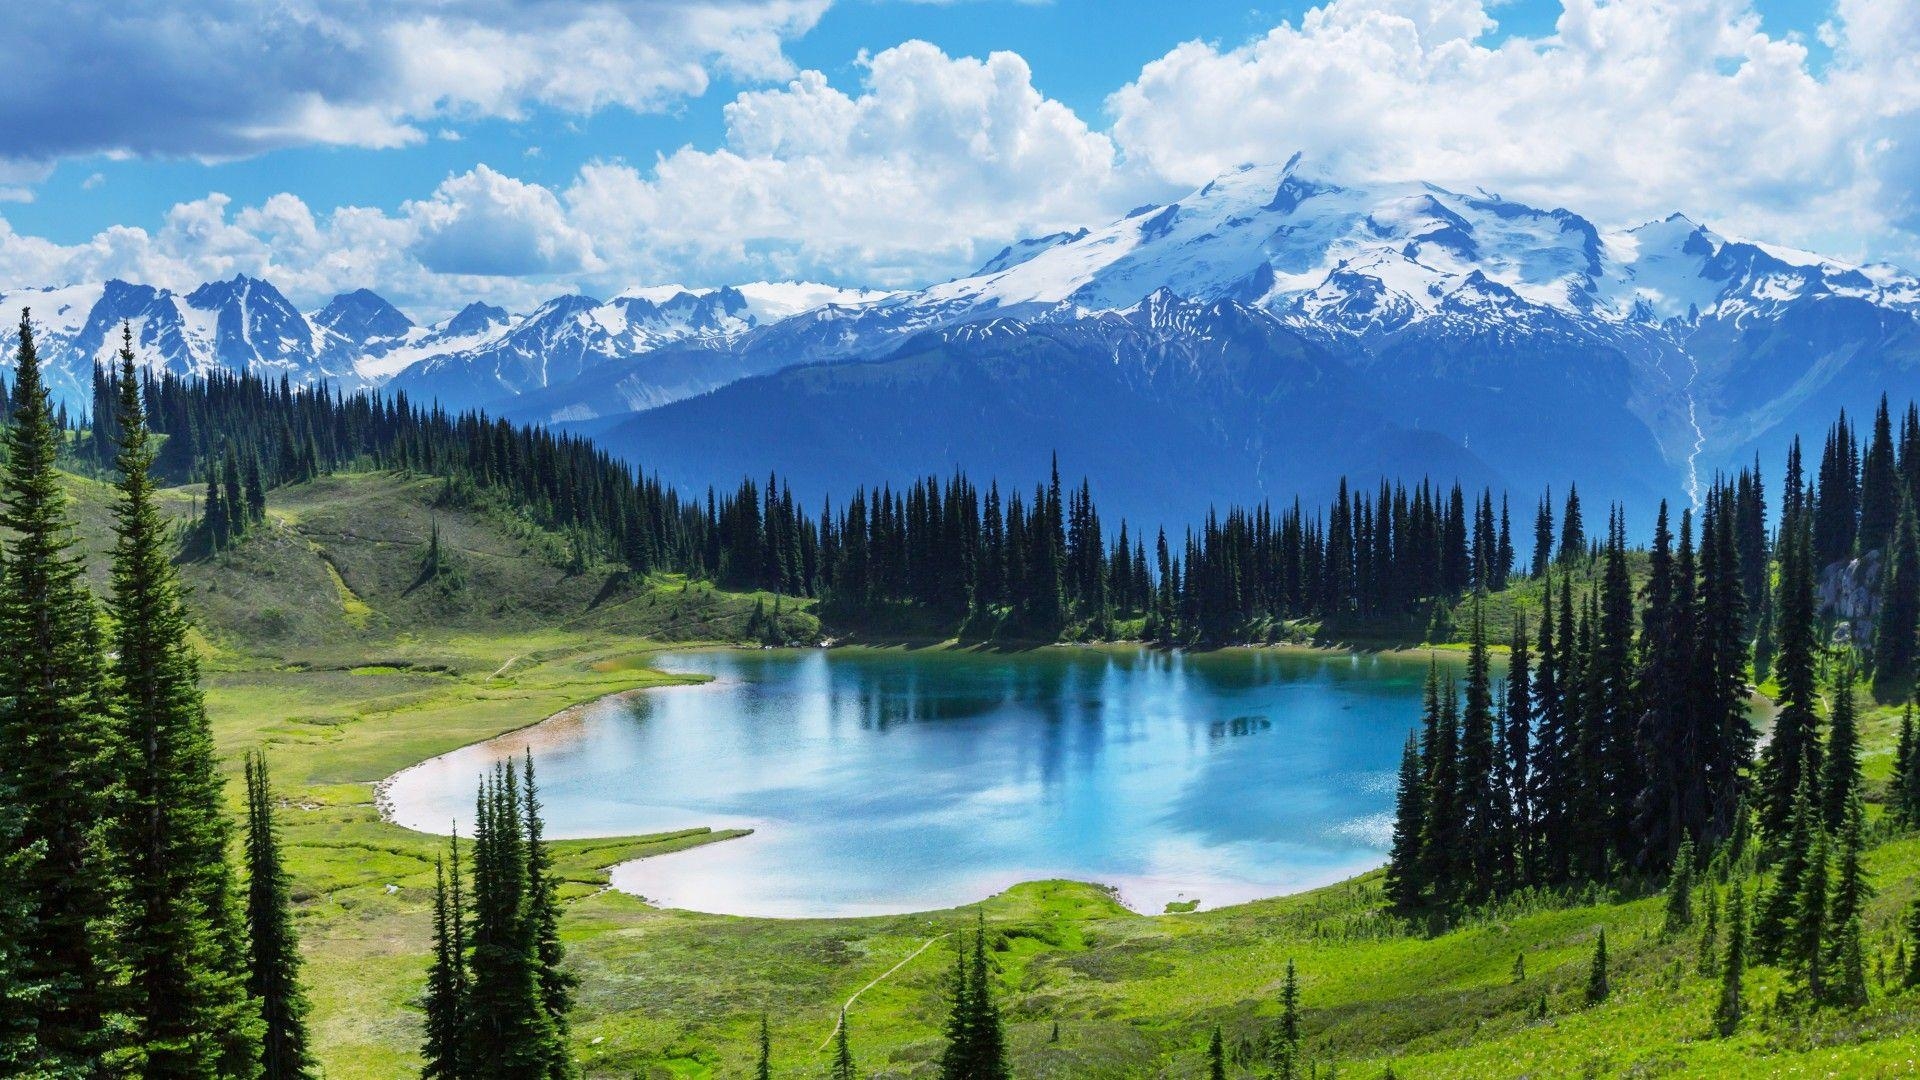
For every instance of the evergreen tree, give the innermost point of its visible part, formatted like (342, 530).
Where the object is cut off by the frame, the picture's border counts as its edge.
(1880, 487)
(63, 749)
(1543, 535)
(1283, 1051)
(180, 935)
(543, 926)
(1840, 780)
(763, 1065)
(842, 1053)
(1216, 1056)
(447, 986)
(976, 1042)
(1480, 830)
(1598, 989)
(1731, 1008)
(274, 970)
(1404, 861)
(1679, 912)
(1808, 944)
(1573, 533)
(1794, 748)
(1897, 623)
(1903, 795)
(510, 1028)
(1846, 960)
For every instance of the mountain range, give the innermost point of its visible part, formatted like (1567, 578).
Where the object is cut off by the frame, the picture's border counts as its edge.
(1266, 334)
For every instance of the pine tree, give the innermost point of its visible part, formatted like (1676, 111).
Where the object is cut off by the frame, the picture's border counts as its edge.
(1903, 795)
(1794, 749)
(1897, 623)
(180, 935)
(1774, 927)
(1283, 1052)
(842, 1053)
(763, 1065)
(1880, 488)
(1598, 989)
(274, 969)
(1573, 533)
(1731, 1008)
(63, 750)
(543, 927)
(447, 986)
(1840, 779)
(1679, 913)
(510, 1028)
(1846, 959)
(1809, 943)
(1404, 884)
(1216, 1056)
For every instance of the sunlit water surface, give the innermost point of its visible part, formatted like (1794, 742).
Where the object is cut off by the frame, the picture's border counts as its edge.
(888, 781)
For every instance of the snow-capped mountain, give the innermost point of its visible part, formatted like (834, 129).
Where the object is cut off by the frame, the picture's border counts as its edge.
(1530, 339)
(1442, 331)
(480, 355)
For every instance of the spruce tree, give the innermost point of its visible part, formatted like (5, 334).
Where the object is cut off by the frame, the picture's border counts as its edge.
(1809, 942)
(1897, 622)
(1731, 1008)
(1840, 779)
(763, 1064)
(1846, 958)
(1880, 488)
(1284, 1052)
(1679, 911)
(64, 752)
(274, 971)
(1773, 929)
(843, 1068)
(1903, 792)
(1216, 1056)
(1794, 749)
(446, 1001)
(543, 927)
(1404, 861)
(989, 1056)
(180, 935)
(510, 1029)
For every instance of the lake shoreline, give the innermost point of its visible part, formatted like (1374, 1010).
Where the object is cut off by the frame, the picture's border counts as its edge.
(551, 727)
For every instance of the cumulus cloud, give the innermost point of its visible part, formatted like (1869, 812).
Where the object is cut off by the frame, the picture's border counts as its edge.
(1631, 108)
(925, 162)
(220, 78)
(488, 224)
(932, 159)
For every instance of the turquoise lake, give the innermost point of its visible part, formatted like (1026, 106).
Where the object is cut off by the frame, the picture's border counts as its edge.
(894, 781)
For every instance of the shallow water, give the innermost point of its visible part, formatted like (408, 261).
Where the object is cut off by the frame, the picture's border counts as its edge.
(890, 781)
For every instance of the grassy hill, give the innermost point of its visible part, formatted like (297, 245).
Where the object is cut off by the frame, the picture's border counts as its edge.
(327, 645)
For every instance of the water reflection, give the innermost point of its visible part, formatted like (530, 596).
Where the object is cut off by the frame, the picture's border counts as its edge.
(886, 782)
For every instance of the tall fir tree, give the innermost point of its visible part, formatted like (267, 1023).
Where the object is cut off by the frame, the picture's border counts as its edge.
(509, 1027)
(1795, 744)
(1897, 621)
(180, 935)
(763, 1062)
(843, 1067)
(446, 1002)
(1731, 1007)
(64, 752)
(274, 969)
(543, 927)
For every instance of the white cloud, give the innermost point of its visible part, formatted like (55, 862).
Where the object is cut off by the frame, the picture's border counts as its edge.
(1628, 110)
(488, 224)
(222, 78)
(933, 159)
(1632, 108)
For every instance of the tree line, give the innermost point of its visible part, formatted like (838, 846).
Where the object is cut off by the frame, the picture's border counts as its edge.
(128, 944)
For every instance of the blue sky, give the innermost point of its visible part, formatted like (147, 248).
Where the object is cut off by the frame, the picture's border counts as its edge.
(440, 149)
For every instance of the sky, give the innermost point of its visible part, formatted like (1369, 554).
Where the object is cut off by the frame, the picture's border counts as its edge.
(441, 151)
